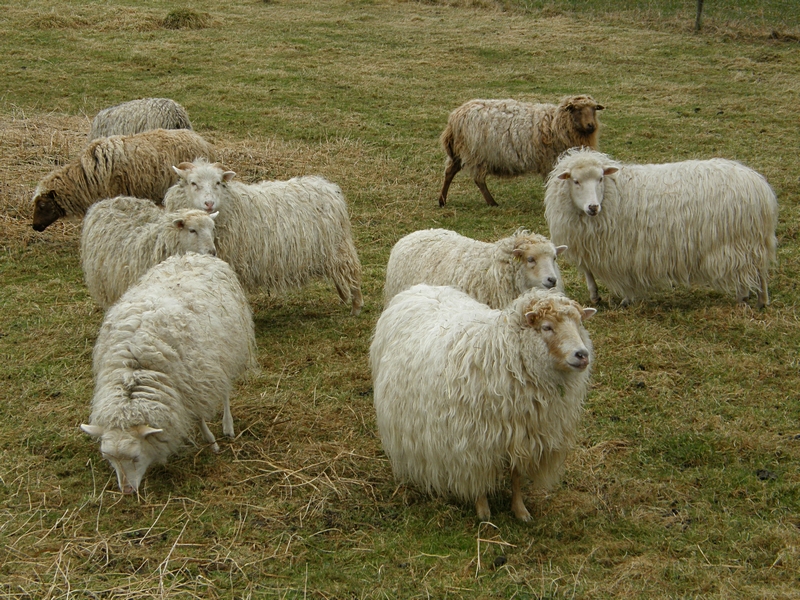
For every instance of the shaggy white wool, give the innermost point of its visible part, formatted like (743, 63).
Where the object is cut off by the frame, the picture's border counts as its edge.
(136, 116)
(492, 273)
(123, 237)
(644, 228)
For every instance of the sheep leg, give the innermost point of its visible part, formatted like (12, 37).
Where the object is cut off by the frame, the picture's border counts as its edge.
(517, 504)
(480, 181)
(482, 507)
(209, 436)
(453, 167)
(227, 419)
(763, 292)
(591, 284)
(358, 301)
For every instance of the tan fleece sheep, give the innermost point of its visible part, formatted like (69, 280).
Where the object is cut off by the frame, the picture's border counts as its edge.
(137, 165)
(507, 138)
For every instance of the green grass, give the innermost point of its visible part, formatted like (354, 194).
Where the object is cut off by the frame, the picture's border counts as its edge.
(685, 479)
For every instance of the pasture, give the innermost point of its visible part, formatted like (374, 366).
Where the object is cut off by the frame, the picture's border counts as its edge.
(686, 478)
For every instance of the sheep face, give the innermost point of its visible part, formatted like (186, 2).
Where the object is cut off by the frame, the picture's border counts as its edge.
(196, 233)
(559, 321)
(46, 210)
(586, 185)
(204, 184)
(584, 114)
(537, 266)
(129, 451)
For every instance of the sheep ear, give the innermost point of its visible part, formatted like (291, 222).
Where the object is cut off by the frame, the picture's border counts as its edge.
(610, 170)
(565, 175)
(531, 318)
(599, 107)
(588, 313)
(517, 253)
(95, 431)
(560, 250)
(214, 215)
(179, 223)
(228, 175)
(146, 430)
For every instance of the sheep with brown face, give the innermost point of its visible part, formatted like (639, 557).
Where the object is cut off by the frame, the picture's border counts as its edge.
(465, 394)
(137, 165)
(507, 138)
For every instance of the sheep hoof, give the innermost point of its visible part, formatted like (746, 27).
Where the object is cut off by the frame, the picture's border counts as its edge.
(482, 508)
(215, 448)
(442, 201)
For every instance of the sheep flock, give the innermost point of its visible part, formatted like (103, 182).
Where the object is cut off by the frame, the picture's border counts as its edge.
(480, 360)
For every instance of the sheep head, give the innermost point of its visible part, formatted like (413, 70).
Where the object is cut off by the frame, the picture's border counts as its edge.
(586, 183)
(559, 321)
(195, 232)
(536, 259)
(583, 110)
(203, 183)
(46, 209)
(130, 451)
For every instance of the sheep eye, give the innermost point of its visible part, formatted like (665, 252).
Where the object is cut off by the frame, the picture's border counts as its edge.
(576, 182)
(547, 327)
(601, 180)
(192, 231)
(531, 260)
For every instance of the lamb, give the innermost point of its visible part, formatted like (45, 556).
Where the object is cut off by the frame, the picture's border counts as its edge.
(123, 237)
(137, 165)
(492, 273)
(139, 115)
(463, 392)
(507, 138)
(276, 235)
(164, 361)
(642, 228)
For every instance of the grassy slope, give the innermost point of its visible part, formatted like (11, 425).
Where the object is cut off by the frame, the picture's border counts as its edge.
(693, 397)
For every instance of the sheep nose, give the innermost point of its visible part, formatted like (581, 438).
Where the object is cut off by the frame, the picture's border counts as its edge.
(127, 489)
(593, 210)
(209, 206)
(550, 282)
(590, 128)
(213, 252)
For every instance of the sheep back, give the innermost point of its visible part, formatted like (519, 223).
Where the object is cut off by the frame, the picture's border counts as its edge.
(492, 273)
(693, 223)
(463, 392)
(136, 116)
(123, 237)
(137, 165)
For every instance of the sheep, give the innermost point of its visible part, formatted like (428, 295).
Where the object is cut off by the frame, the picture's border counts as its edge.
(139, 115)
(508, 138)
(123, 237)
(642, 228)
(164, 361)
(492, 273)
(137, 165)
(275, 234)
(463, 392)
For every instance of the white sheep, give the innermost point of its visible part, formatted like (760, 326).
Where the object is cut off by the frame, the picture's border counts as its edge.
(136, 116)
(276, 235)
(507, 138)
(492, 273)
(463, 392)
(164, 362)
(123, 237)
(643, 228)
(137, 165)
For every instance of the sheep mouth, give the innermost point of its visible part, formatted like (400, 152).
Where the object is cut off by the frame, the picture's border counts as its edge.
(579, 364)
(592, 211)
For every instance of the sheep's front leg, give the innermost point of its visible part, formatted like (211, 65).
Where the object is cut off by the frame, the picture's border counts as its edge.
(591, 285)
(227, 418)
(482, 508)
(453, 167)
(209, 436)
(517, 504)
(763, 291)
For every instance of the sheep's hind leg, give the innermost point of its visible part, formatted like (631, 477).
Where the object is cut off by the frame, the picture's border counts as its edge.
(209, 436)
(358, 301)
(482, 508)
(453, 167)
(517, 504)
(591, 285)
(763, 291)
(227, 419)
(480, 181)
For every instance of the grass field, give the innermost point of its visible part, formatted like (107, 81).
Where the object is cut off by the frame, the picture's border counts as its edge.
(685, 482)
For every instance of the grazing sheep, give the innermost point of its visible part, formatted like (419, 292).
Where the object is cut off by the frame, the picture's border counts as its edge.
(492, 273)
(641, 228)
(164, 361)
(464, 392)
(275, 234)
(123, 237)
(507, 138)
(139, 115)
(137, 165)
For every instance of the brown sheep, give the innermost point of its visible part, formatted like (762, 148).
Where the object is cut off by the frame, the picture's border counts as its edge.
(507, 138)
